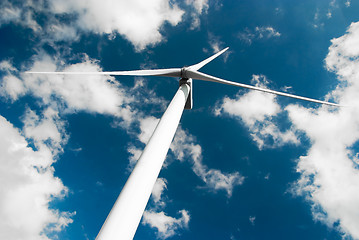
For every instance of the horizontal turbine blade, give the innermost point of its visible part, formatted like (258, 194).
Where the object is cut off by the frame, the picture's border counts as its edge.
(197, 66)
(206, 77)
(170, 72)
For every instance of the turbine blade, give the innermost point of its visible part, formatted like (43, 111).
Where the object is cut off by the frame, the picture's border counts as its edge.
(206, 77)
(204, 62)
(170, 72)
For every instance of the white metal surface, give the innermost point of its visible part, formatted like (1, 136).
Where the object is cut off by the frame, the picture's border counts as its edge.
(205, 77)
(127, 211)
(191, 72)
(169, 72)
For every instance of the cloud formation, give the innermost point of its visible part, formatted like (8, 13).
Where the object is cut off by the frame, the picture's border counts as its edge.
(25, 211)
(28, 171)
(259, 32)
(258, 112)
(329, 172)
(200, 6)
(137, 21)
(184, 146)
(166, 226)
(329, 178)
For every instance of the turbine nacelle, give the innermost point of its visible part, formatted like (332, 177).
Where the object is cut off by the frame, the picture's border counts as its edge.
(184, 72)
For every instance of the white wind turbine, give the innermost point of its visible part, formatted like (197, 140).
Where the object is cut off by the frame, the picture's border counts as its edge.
(125, 215)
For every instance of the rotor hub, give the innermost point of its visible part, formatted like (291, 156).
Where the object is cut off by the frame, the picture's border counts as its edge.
(184, 73)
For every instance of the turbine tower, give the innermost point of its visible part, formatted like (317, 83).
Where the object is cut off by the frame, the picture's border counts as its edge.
(126, 213)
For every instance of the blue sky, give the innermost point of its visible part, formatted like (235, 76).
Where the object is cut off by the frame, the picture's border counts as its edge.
(243, 165)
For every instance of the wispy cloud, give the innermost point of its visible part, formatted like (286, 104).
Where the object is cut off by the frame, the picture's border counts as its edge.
(259, 32)
(322, 14)
(216, 45)
(252, 220)
(184, 146)
(200, 7)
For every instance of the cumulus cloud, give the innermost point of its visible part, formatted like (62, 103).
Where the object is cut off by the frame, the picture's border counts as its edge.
(90, 93)
(166, 226)
(30, 186)
(257, 110)
(329, 172)
(137, 21)
(260, 32)
(329, 175)
(29, 174)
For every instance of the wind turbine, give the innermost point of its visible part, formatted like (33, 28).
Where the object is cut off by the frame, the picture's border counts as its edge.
(126, 213)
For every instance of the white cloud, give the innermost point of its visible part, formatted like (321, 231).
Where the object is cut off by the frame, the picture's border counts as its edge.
(135, 155)
(47, 129)
(7, 66)
(9, 14)
(166, 226)
(329, 172)
(158, 188)
(20, 14)
(259, 32)
(91, 93)
(257, 110)
(138, 21)
(29, 189)
(267, 32)
(184, 146)
(10, 86)
(62, 32)
(147, 126)
(29, 174)
(252, 220)
(200, 6)
(216, 45)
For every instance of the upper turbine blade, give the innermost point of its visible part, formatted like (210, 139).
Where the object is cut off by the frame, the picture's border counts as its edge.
(204, 62)
(170, 72)
(206, 77)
